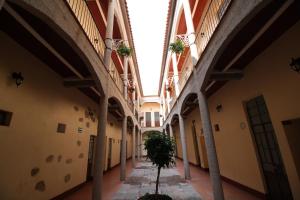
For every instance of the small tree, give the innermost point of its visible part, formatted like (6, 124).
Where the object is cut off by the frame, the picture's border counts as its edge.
(160, 150)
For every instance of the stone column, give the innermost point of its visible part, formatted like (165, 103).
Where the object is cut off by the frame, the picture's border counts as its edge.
(102, 118)
(168, 98)
(109, 32)
(184, 152)
(171, 131)
(210, 148)
(134, 98)
(190, 31)
(164, 106)
(133, 146)
(139, 146)
(123, 149)
(100, 149)
(176, 76)
(125, 65)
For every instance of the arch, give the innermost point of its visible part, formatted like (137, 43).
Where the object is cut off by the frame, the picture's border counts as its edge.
(189, 103)
(130, 124)
(168, 129)
(59, 32)
(115, 108)
(174, 119)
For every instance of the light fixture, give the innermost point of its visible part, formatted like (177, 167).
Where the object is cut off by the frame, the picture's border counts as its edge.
(295, 64)
(219, 107)
(18, 78)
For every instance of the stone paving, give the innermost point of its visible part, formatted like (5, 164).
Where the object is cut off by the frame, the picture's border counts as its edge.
(142, 180)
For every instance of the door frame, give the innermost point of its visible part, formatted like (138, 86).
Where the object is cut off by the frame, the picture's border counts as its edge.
(253, 141)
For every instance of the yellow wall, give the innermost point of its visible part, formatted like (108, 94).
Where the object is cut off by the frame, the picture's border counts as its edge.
(38, 105)
(188, 121)
(150, 107)
(176, 134)
(268, 75)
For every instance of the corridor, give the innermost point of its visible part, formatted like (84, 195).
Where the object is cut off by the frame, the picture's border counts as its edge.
(198, 185)
(84, 85)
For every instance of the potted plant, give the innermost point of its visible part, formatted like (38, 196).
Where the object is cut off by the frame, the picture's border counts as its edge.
(160, 150)
(177, 46)
(131, 89)
(123, 50)
(169, 88)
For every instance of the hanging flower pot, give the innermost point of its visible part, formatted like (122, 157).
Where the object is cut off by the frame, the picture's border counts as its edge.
(123, 50)
(131, 89)
(169, 89)
(177, 46)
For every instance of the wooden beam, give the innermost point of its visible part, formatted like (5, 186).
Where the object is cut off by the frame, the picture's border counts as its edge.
(39, 38)
(227, 75)
(79, 83)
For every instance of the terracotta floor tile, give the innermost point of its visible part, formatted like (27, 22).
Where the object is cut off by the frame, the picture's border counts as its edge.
(111, 184)
(201, 182)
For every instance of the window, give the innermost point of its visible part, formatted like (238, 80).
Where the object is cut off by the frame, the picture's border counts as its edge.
(148, 119)
(5, 118)
(156, 119)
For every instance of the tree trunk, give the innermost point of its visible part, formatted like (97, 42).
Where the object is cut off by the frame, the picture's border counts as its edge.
(157, 180)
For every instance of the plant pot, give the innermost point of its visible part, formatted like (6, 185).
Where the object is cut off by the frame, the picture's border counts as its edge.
(155, 197)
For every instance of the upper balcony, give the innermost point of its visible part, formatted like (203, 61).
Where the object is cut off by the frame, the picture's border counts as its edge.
(206, 18)
(91, 15)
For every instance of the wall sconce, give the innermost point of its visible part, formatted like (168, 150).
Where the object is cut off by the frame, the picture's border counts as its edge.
(295, 64)
(18, 77)
(219, 107)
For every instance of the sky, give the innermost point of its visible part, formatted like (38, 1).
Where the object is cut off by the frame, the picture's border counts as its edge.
(148, 22)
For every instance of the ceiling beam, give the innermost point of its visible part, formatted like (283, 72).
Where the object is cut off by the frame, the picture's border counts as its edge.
(79, 83)
(227, 75)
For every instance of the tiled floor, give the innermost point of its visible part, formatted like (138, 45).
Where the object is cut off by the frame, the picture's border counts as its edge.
(111, 184)
(142, 180)
(201, 182)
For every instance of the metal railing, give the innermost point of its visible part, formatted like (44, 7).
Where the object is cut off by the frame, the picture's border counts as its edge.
(85, 18)
(214, 13)
(116, 76)
(212, 17)
(185, 72)
(130, 104)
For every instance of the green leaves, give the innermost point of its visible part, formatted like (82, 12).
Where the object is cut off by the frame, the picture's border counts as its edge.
(123, 50)
(177, 46)
(160, 149)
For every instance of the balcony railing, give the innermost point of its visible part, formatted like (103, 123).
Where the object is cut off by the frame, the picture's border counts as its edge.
(130, 104)
(213, 15)
(116, 76)
(185, 72)
(85, 18)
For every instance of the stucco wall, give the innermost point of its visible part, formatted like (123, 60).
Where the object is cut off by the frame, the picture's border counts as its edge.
(38, 106)
(150, 107)
(268, 75)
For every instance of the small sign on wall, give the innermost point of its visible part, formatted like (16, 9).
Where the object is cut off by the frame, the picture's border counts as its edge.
(80, 130)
